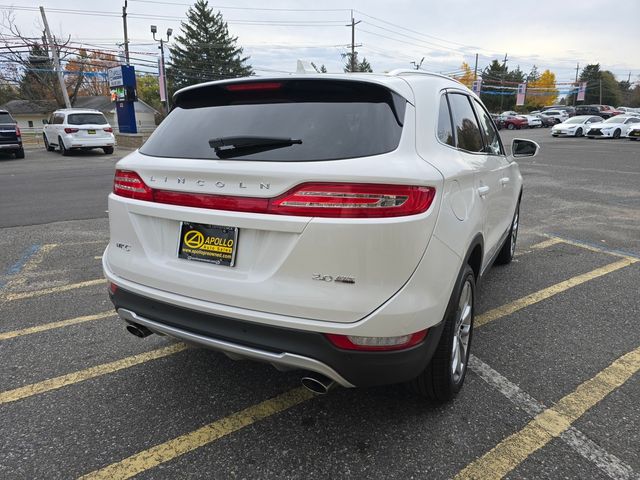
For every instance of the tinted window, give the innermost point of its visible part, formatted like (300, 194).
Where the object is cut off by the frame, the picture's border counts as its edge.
(468, 135)
(86, 118)
(6, 118)
(57, 118)
(445, 130)
(489, 132)
(333, 120)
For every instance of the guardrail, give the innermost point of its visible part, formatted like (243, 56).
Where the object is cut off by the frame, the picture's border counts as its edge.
(33, 135)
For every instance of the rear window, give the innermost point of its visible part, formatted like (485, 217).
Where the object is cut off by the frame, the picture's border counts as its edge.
(6, 118)
(328, 120)
(86, 118)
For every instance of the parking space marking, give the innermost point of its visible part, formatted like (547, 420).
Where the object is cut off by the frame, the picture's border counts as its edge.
(188, 442)
(611, 465)
(53, 325)
(8, 297)
(86, 374)
(594, 248)
(551, 422)
(548, 292)
(546, 243)
(28, 263)
(19, 265)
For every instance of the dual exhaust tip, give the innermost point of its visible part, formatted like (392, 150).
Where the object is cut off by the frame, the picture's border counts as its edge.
(314, 382)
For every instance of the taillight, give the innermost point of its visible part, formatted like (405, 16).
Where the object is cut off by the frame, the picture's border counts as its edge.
(129, 184)
(108, 129)
(18, 133)
(347, 200)
(71, 130)
(334, 200)
(113, 288)
(349, 342)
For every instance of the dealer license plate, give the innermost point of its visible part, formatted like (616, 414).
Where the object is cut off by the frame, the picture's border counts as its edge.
(208, 243)
(91, 132)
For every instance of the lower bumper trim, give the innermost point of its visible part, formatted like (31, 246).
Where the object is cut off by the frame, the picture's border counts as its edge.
(278, 360)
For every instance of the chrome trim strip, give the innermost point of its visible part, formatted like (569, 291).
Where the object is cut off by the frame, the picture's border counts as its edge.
(290, 360)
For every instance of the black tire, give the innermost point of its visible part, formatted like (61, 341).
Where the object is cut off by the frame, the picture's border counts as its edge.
(63, 150)
(579, 132)
(617, 133)
(508, 249)
(107, 150)
(46, 144)
(439, 382)
(510, 126)
(19, 153)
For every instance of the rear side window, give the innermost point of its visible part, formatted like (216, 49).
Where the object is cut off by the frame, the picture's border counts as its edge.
(86, 118)
(325, 120)
(445, 129)
(57, 118)
(468, 135)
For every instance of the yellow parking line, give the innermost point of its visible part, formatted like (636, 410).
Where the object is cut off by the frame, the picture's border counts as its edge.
(188, 442)
(548, 292)
(549, 424)
(82, 375)
(592, 248)
(546, 243)
(38, 293)
(52, 325)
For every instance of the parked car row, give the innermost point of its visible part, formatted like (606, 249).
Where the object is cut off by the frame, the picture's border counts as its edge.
(595, 127)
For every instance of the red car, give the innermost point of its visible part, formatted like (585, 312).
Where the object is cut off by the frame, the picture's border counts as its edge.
(608, 109)
(511, 122)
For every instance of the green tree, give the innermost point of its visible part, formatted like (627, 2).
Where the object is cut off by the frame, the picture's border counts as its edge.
(204, 50)
(148, 90)
(634, 100)
(611, 94)
(39, 82)
(360, 66)
(493, 77)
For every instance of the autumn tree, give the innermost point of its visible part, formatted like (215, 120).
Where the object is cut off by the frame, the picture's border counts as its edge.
(466, 77)
(542, 91)
(87, 72)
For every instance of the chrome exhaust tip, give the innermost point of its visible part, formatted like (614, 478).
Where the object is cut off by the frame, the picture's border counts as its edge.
(139, 331)
(318, 384)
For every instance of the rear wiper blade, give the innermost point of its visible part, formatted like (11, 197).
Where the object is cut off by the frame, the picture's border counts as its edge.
(230, 143)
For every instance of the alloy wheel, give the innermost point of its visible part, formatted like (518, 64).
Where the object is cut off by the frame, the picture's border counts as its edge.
(462, 333)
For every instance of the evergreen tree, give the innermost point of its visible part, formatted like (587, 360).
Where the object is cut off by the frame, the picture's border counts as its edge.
(204, 50)
(492, 81)
(360, 66)
(39, 81)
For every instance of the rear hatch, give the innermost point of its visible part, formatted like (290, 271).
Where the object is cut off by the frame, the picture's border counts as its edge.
(88, 126)
(8, 130)
(293, 197)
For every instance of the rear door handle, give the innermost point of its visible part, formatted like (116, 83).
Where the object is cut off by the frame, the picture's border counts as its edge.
(505, 180)
(482, 191)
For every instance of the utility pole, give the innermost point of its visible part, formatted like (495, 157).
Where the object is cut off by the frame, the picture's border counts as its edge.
(353, 42)
(126, 36)
(475, 70)
(164, 91)
(56, 60)
(504, 72)
(575, 96)
(600, 88)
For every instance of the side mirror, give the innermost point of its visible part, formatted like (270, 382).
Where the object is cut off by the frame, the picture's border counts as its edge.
(524, 148)
(45, 122)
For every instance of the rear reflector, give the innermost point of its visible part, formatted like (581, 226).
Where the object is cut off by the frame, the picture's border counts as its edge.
(113, 288)
(349, 342)
(245, 87)
(332, 200)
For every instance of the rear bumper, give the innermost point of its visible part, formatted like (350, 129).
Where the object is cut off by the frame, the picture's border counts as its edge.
(10, 146)
(87, 142)
(282, 347)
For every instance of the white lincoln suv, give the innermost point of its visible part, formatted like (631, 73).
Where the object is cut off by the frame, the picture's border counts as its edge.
(334, 224)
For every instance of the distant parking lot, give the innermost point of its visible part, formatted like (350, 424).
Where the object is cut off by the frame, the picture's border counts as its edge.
(552, 393)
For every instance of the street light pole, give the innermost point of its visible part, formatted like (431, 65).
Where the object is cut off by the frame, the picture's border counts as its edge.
(164, 91)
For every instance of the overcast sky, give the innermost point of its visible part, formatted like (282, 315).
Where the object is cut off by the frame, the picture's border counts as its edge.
(548, 33)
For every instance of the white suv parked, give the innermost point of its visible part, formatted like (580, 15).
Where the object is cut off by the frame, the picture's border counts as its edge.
(336, 224)
(72, 128)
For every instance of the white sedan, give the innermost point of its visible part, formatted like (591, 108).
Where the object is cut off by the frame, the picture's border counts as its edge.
(634, 132)
(575, 126)
(614, 127)
(533, 121)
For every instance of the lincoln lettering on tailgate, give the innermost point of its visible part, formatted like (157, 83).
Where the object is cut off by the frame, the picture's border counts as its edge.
(208, 243)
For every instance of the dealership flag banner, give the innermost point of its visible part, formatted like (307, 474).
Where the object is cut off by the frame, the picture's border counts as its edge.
(581, 91)
(522, 89)
(475, 86)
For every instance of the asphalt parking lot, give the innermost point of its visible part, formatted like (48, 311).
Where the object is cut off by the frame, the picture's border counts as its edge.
(552, 392)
